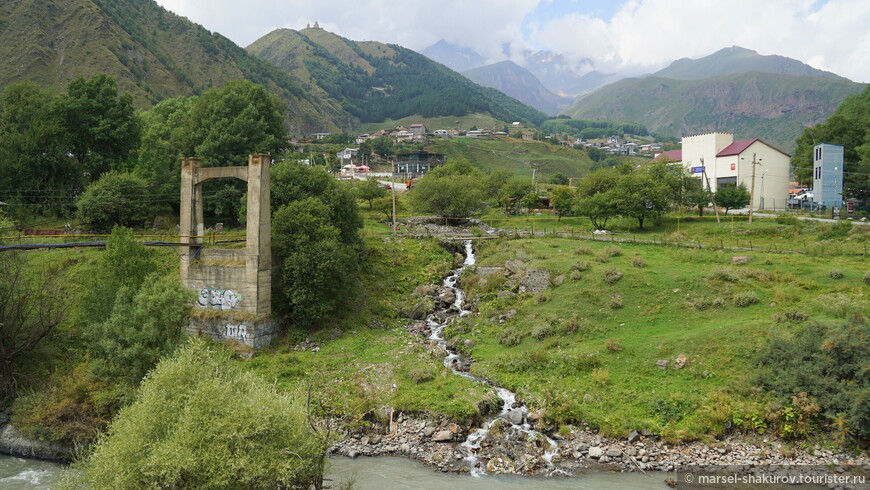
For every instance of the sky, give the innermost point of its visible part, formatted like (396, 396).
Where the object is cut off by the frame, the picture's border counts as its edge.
(618, 36)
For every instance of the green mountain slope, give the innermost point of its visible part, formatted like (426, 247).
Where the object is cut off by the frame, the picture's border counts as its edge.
(519, 83)
(152, 53)
(738, 60)
(771, 106)
(375, 81)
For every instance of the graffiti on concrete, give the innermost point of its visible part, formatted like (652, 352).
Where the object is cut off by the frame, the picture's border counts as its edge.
(238, 333)
(218, 299)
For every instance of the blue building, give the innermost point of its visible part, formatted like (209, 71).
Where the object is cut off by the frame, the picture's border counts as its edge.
(828, 175)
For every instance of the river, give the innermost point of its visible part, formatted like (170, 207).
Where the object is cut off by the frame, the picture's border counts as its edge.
(382, 473)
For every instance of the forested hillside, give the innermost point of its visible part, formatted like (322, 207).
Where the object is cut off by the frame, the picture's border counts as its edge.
(375, 81)
(771, 106)
(152, 53)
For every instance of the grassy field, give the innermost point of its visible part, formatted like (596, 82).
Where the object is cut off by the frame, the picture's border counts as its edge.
(586, 350)
(518, 156)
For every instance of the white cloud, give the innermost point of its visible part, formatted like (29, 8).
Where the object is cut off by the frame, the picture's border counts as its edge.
(642, 36)
(645, 35)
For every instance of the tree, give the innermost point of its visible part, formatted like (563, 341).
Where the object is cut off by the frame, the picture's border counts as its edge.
(599, 208)
(530, 201)
(29, 311)
(145, 325)
(104, 131)
(369, 190)
(562, 201)
(317, 270)
(201, 421)
(639, 196)
(699, 198)
(596, 154)
(511, 192)
(495, 181)
(117, 198)
(383, 146)
(732, 197)
(448, 196)
(227, 124)
(34, 150)
(558, 178)
(164, 143)
(124, 264)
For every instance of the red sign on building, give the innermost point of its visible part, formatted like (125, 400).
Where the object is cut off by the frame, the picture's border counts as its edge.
(733, 166)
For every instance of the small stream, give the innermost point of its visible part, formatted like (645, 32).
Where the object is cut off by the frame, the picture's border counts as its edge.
(511, 412)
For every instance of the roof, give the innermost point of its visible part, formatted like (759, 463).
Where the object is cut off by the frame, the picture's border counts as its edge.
(739, 147)
(669, 156)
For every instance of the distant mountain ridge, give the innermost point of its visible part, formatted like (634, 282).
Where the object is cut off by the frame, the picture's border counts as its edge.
(521, 84)
(152, 53)
(455, 57)
(738, 60)
(374, 81)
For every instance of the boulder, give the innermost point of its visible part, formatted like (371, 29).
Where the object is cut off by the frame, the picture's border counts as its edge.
(426, 290)
(613, 453)
(740, 259)
(513, 266)
(428, 431)
(559, 280)
(634, 436)
(468, 343)
(515, 416)
(680, 361)
(596, 452)
(447, 296)
(662, 363)
(442, 436)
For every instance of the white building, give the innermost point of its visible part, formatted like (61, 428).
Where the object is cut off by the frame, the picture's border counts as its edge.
(729, 162)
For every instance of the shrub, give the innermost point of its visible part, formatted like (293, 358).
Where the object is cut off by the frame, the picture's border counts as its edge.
(835, 274)
(421, 373)
(577, 362)
(867, 278)
(583, 250)
(542, 331)
(510, 337)
(541, 299)
(611, 275)
(745, 298)
(162, 440)
(790, 316)
(612, 345)
(638, 261)
(612, 251)
(616, 302)
(827, 361)
(581, 265)
(726, 274)
(573, 324)
(603, 258)
(116, 198)
(600, 376)
(575, 275)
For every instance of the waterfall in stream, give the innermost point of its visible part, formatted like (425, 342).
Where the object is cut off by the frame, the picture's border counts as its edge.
(512, 419)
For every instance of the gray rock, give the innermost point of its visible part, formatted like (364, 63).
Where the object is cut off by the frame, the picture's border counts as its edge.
(405, 448)
(559, 280)
(740, 259)
(426, 290)
(468, 343)
(596, 452)
(513, 266)
(662, 363)
(614, 453)
(515, 416)
(16, 443)
(442, 436)
(352, 454)
(634, 436)
(505, 294)
(447, 297)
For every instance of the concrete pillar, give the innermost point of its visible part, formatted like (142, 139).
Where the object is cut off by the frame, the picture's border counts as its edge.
(189, 210)
(259, 222)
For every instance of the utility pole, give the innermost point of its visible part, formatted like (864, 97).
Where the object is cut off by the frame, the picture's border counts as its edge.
(761, 199)
(712, 194)
(752, 188)
(393, 193)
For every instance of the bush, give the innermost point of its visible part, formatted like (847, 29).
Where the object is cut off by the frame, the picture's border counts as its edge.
(583, 250)
(616, 302)
(867, 278)
(600, 376)
(790, 316)
(116, 198)
(510, 337)
(744, 299)
(575, 275)
(835, 274)
(581, 265)
(612, 251)
(827, 361)
(637, 261)
(421, 374)
(195, 413)
(612, 345)
(573, 324)
(542, 331)
(611, 275)
(726, 274)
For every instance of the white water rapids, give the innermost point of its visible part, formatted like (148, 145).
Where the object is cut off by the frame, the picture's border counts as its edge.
(473, 443)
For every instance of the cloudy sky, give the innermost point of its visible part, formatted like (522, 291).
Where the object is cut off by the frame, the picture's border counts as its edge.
(628, 36)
